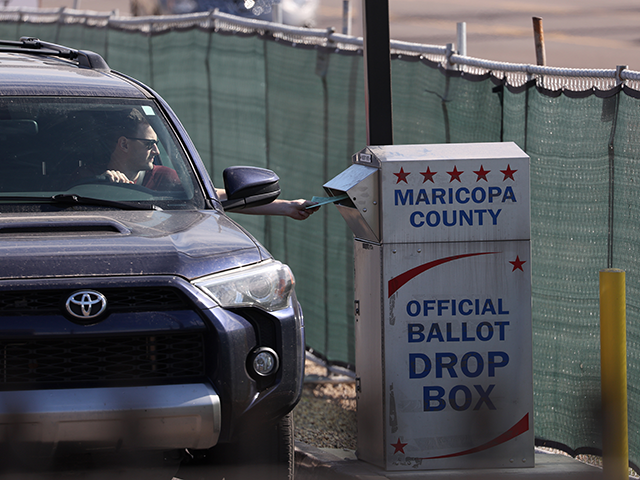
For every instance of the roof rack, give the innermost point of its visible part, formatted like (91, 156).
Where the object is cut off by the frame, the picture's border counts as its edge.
(84, 58)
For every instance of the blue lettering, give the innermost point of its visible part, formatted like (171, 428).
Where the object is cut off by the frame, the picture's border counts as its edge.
(412, 219)
(459, 197)
(478, 195)
(509, 195)
(450, 337)
(428, 305)
(452, 223)
(436, 221)
(437, 194)
(464, 364)
(422, 197)
(442, 306)
(480, 217)
(415, 332)
(480, 335)
(500, 310)
(413, 308)
(435, 332)
(426, 365)
(441, 364)
(494, 192)
(467, 398)
(460, 398)
(428, 395)
(465, 337)
(408, 197)
(494, 363)
(494, 215)
(461, 305)
(488, 307)
(484, 397)
(501, 326)
(468, 216)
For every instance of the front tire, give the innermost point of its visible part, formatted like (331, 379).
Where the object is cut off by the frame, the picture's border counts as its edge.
(262, 451)
(269, 449)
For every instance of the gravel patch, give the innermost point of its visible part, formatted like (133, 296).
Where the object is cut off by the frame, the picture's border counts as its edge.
(326, 414)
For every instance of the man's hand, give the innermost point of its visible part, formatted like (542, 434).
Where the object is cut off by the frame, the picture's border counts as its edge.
(297, 209)
(116, 176)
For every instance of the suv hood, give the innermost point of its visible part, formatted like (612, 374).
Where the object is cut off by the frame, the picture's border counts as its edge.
(186, 243)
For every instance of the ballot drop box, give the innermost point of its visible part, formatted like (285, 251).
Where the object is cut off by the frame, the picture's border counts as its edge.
(442, 304)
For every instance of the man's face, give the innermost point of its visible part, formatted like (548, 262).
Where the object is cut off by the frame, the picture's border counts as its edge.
(143, 148)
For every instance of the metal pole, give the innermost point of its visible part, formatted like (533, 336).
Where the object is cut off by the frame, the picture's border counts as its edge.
(276, 12)
(377, 70)
(613, 371)
(461, 30)
(538, 35)
(346, 17)
(619, 70)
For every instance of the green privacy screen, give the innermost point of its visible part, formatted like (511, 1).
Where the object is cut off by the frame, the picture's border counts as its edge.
(249, 99)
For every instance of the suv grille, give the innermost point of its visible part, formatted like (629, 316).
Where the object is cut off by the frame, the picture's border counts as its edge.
(112, 360)
(135, 299)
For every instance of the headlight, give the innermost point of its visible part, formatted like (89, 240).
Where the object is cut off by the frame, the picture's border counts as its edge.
(267, 285)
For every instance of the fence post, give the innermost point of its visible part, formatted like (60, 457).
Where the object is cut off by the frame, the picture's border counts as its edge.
(613, 372)
(346, 17)
(538, 36)
(461, 33)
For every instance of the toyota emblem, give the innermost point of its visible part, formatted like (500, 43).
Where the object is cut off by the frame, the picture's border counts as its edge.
(86, 305)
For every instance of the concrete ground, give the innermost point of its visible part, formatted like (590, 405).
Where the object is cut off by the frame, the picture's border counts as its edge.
(329, 464)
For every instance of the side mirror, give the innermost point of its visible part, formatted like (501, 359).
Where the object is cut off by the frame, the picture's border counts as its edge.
(249, 187)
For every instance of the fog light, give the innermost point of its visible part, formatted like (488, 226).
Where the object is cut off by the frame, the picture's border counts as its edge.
(265, 361)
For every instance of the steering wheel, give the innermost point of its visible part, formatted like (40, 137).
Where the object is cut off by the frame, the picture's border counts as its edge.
(103, 182)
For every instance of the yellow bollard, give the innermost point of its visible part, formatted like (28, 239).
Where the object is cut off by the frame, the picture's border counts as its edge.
(613, 372)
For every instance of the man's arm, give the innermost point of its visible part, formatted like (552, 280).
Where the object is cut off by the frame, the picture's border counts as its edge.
(296, 209)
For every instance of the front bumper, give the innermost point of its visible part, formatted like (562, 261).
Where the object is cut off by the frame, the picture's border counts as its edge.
(162, 417)
(62, 370)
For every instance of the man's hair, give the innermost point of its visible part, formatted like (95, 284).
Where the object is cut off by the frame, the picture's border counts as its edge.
(125, 124)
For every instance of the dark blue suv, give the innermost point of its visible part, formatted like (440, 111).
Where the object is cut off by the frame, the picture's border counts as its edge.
(135, 315)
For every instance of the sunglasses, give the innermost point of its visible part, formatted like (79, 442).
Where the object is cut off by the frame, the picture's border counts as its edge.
(147, 142)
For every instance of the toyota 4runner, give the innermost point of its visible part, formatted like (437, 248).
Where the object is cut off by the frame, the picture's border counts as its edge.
(134, 315)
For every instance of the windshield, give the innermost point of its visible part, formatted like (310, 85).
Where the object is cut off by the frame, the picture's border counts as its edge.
(117, 152)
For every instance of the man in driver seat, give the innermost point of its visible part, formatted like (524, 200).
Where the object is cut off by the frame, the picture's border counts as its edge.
(132, 159)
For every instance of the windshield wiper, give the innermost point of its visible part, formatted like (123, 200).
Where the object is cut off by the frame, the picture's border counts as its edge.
(77, 199)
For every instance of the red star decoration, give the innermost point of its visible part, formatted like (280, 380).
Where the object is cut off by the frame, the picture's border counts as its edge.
(508, 173)
(517, 264)
(402, 176)
(482, 174)
(455, 175)
(399, 447)
(428, 175)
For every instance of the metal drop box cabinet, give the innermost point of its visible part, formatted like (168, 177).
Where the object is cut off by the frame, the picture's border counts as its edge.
(442, 304)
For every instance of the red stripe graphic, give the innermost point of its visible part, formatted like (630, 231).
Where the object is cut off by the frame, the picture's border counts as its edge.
(518, 429)
(397, 282)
